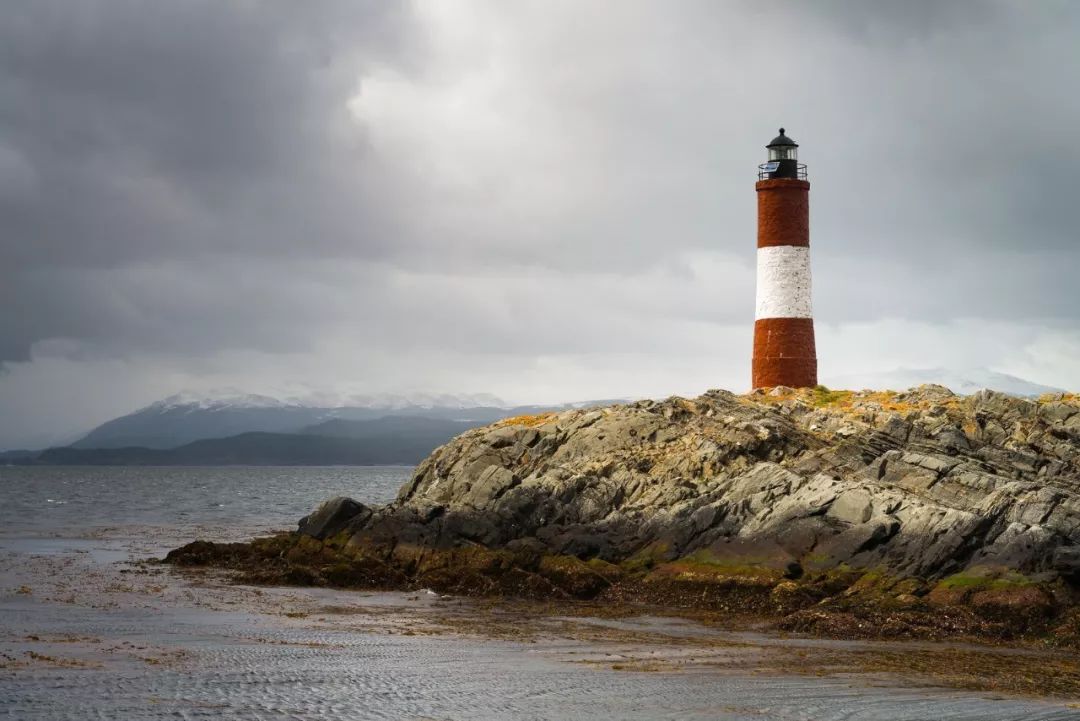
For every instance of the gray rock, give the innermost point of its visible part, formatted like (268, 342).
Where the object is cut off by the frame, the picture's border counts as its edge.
(502, 437)
(1067, 561)
(854, 506)
(844, 546)
(1057, 412)
(333, 517)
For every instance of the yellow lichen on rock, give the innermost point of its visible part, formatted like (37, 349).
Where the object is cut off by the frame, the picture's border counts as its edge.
(528, 420)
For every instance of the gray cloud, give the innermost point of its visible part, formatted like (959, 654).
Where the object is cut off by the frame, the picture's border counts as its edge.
(184, 182)
(185, 132)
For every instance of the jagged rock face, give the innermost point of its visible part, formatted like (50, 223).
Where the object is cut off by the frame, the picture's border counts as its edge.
(332, 517)
(922, 483)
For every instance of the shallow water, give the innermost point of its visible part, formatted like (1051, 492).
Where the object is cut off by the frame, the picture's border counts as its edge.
(85, 634)
(240, 666)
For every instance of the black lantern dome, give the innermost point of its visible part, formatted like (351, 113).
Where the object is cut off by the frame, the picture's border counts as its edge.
(781, 141)
(783, 160)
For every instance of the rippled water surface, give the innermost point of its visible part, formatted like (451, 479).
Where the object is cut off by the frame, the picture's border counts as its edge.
(66, 501)
(85, 633)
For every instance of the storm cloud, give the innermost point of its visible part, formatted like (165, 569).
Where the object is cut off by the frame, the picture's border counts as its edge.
(545, 200)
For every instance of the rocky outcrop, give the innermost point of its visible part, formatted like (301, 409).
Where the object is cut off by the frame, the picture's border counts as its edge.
(922, 483)
(920, 497)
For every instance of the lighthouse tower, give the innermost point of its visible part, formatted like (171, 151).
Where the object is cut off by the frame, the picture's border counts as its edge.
(784, 352)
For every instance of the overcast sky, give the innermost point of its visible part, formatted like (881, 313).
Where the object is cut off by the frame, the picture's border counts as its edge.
(542, 200)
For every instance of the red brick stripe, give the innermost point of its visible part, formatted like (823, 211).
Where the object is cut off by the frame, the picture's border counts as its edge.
(784, 353)
(783, 212)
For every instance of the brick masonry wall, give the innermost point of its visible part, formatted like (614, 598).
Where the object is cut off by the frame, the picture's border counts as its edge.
(785, 353)
(783, 212)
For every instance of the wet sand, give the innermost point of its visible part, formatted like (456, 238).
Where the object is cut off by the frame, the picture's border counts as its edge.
(90, 629)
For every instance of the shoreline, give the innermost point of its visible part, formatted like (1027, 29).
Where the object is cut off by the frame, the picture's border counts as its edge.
(954, 647)
(59, 627)
(842, 604)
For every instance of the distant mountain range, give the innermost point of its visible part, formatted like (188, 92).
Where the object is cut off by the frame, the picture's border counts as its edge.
(184, 418)
(17, 456)
(964, 382)
(236, 428)
(383, 441)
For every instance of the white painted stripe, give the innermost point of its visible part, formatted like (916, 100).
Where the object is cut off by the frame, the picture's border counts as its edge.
(783, 282)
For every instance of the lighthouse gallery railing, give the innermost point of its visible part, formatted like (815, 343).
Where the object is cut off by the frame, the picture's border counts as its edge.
(767, 170)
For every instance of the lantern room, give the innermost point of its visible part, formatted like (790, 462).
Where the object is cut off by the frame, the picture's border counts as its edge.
(783, 160)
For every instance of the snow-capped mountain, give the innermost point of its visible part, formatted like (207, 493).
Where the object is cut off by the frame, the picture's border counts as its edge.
(395, 401)
(169, 423)
(191, 416)
(232, 398)
(219, 399)
(963, 382)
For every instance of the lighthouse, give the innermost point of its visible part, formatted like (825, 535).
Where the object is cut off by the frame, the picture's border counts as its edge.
(784, 351)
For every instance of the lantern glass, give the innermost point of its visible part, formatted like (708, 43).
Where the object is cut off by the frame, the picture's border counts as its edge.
(783, 152)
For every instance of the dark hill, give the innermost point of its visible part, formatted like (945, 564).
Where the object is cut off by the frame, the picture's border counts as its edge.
(432, 431)
(267, 449)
